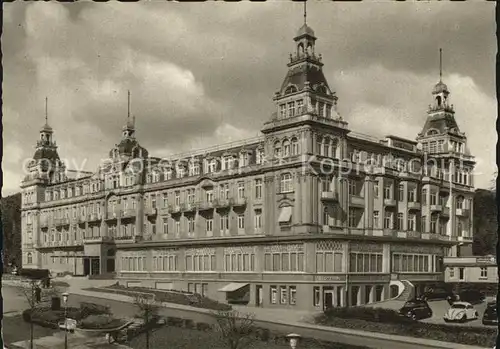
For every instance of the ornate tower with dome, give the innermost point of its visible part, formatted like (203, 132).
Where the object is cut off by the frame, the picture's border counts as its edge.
(450, 162)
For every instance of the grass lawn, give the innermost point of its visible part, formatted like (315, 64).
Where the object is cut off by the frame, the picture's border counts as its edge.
(183, 338)
(15, 329)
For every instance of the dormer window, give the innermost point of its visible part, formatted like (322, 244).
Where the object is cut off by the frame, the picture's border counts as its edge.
(181, 172)
(290, 89)
(156, 176)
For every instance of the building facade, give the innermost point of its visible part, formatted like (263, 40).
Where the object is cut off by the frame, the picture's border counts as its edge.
(471, 270)
(309, 214)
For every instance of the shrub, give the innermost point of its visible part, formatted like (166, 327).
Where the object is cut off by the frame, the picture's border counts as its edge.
(386, 321)
(201, 326)
(368, 314)
(100, 322)
(174, 321)
(188, 323)
(88, 309)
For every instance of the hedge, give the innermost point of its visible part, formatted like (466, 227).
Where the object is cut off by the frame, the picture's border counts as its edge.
(390, 322)
(194, 300)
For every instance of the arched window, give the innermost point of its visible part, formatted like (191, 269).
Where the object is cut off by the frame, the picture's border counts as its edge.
(460, 202)
(286, 184)
(438, 101)
(334, 146)
(295, 146)
(300, 49)
(29, 258)
(326, 147)
(277, 149)
(286, 148)
(290, 89)
(319, 141)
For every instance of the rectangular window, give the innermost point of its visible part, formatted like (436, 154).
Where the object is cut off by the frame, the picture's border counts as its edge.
(292, 290)
(376, 219)
(209, 225)
(258, 220)
(484, 273)
(401, 192)
(241, 221)
(411, 222)
(353, 217)
(241, 190)
(411, 195)
(165, 225)
(388, 220)
(400, 221)
(375, 190)
(258, 188)
(387, 191)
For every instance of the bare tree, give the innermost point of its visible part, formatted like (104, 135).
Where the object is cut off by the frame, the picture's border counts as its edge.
(237, 330)
(29, 292)
(147, 311)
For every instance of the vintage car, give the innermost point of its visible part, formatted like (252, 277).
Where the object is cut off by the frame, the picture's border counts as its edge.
(437, 294)
(490, 314)
(416, 309)
(460, 311)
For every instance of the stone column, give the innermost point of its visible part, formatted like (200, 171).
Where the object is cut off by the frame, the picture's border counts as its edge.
(269, 225)
(369, 201)
(297, 210)
(344, 201)
(315, 199)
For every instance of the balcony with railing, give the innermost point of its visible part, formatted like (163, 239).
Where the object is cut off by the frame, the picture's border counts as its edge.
(61, 221)
(413, 205)
(356, 200)
(436, 208)
(206, 205)
(128, 213)
(124, 239)
(175, 208)
(389, 202)
(303, 114)
(190, 207)
(150, 211)
(112, 215)
(238, 202)
(163, 211)
(445, 211)
(221, 203)
(94, 217)
(462, 212)
(329, 195)
(44, 223)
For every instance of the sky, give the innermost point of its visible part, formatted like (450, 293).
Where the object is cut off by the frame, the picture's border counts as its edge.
(200, 74)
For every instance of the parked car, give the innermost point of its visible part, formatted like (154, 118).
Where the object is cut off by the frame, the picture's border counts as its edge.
(461, 311)
(416, 309)
(471, 296)
(437, 294)
(490, 316)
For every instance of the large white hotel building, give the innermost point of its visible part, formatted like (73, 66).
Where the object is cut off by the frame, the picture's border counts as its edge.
(275, 221)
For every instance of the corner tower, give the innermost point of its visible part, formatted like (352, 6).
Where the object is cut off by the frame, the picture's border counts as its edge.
(448, 173)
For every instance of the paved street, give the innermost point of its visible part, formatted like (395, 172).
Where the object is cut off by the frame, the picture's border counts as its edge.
(440, 307)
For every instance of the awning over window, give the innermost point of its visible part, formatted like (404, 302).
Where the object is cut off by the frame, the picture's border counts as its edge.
(285, 214)
(232, 287)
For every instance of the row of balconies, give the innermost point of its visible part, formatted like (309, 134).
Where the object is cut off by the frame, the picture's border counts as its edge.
(392, 233)
(355, 200)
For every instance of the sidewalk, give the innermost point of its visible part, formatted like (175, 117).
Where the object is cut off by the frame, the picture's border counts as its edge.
(75, 341)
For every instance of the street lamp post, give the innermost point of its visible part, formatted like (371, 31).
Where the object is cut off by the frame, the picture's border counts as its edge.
(65, 296)
(294, 339)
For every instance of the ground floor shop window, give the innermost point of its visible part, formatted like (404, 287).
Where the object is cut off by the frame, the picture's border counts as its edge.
(283, 295)
(316, 296)
(293, 295)
(379, 293)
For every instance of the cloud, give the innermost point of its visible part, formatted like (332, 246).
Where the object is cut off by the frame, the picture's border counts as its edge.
(201, 74)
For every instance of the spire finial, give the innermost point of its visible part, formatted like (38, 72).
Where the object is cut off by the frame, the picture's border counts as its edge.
(128, 105)
(440, 65)
(305, 11)
(46, 111)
